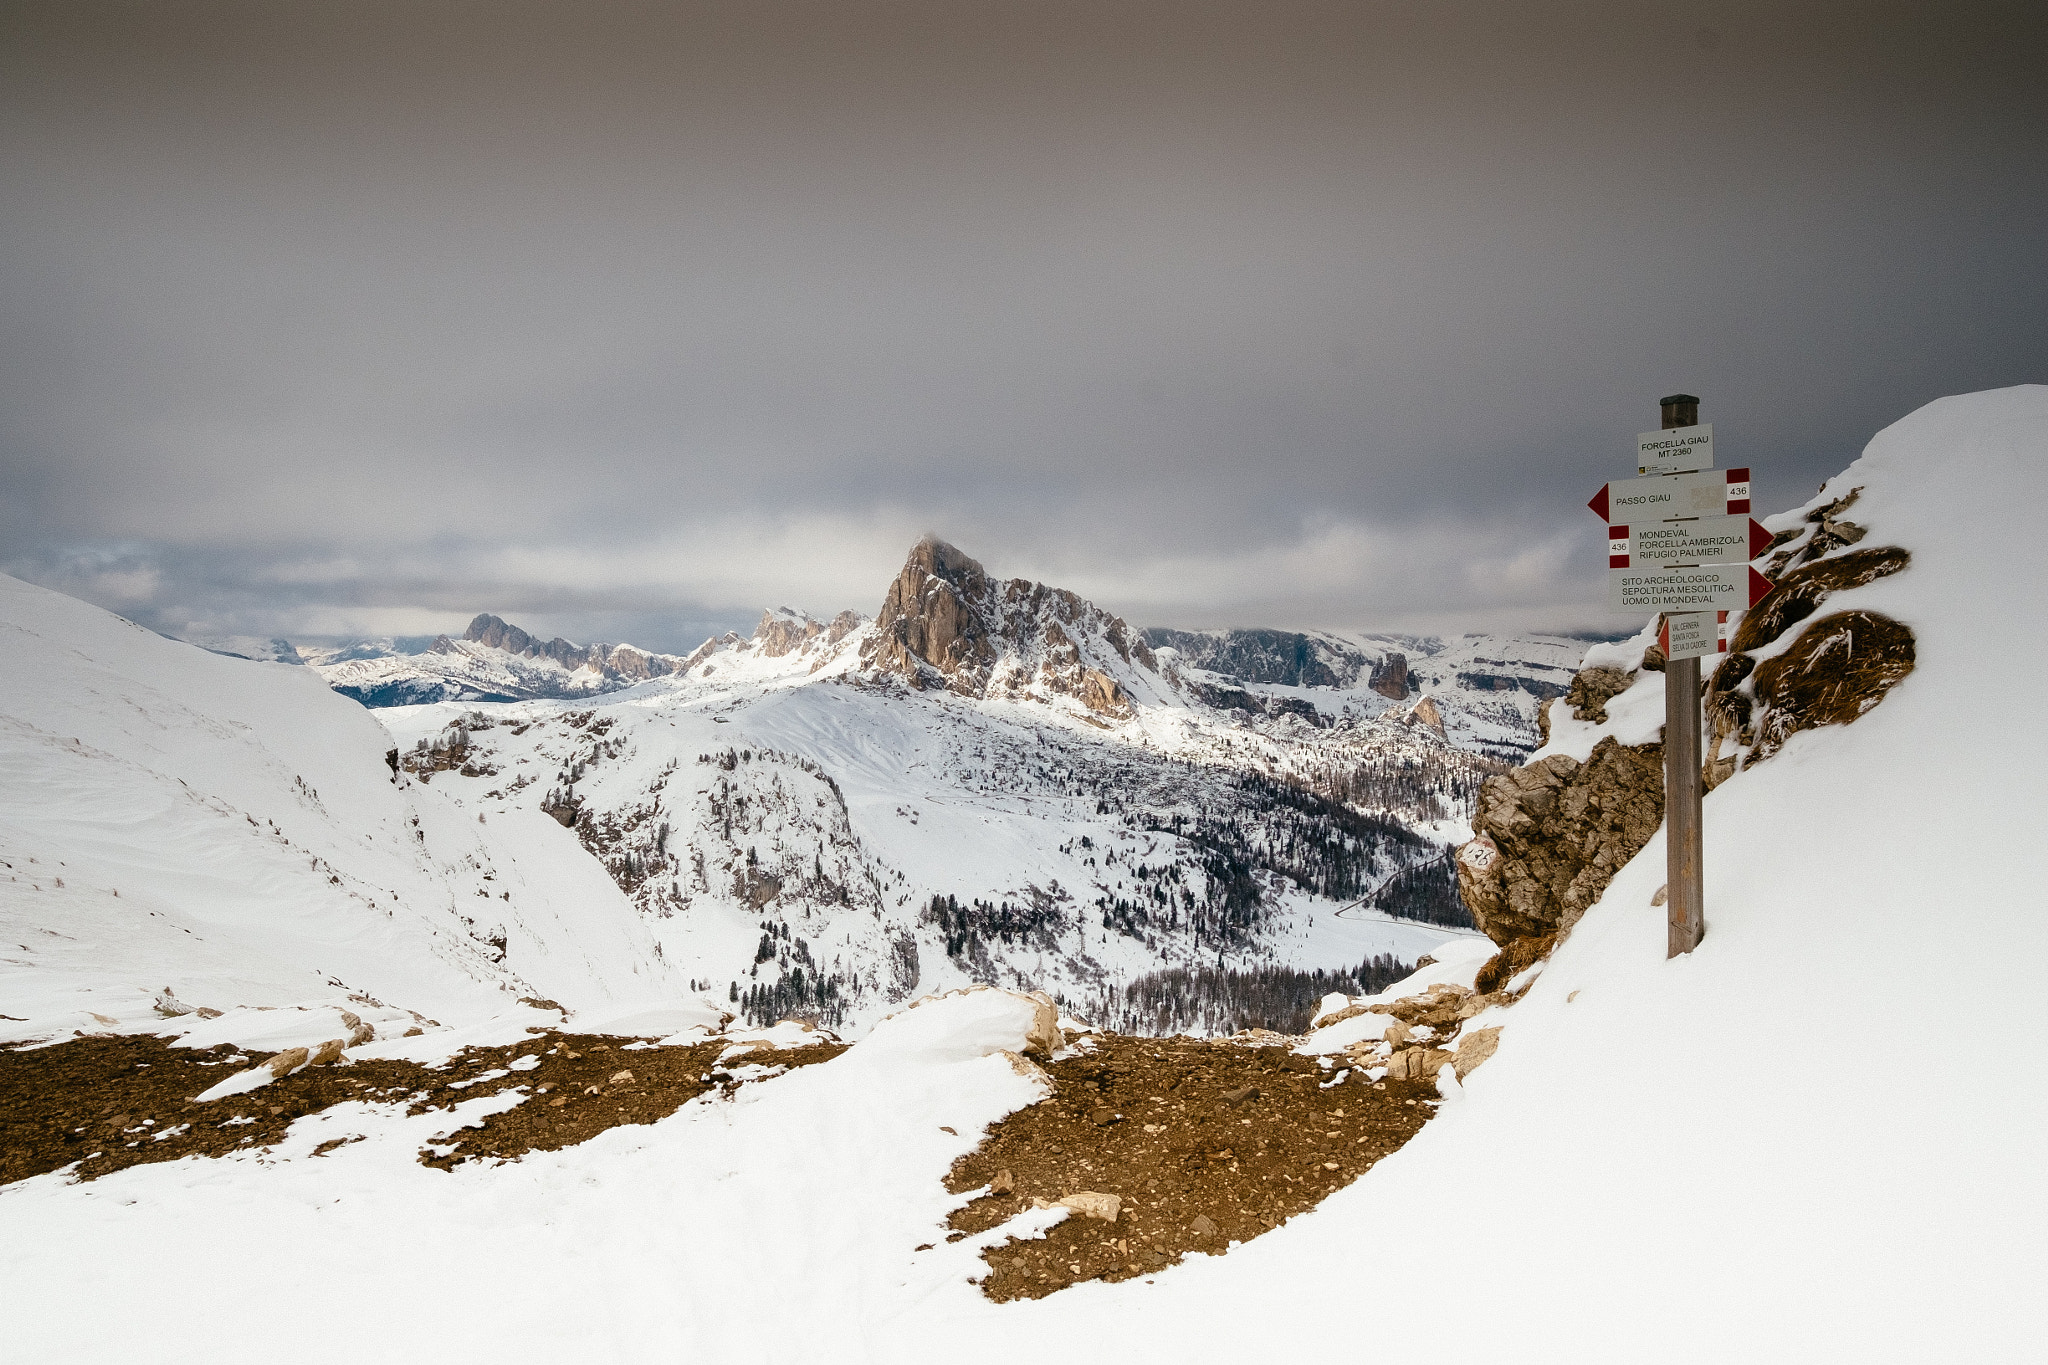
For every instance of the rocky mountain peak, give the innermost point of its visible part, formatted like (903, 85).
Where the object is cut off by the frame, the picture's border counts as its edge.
(613, 661)
(497, 633)
(784, 630)
(945, 622)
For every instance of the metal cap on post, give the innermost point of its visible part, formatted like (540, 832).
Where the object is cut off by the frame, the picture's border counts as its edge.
(1685, 894)
(1680, 410)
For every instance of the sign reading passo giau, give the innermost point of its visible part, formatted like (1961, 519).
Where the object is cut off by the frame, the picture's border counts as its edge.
(1711, 493)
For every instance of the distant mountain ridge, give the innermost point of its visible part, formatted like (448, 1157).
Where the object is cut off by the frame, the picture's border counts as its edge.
(1290, 658)
(611, 661)
(944, 622)
(1487, 688)
(493, 661)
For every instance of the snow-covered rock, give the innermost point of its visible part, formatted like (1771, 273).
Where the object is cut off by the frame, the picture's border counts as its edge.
(946, 622)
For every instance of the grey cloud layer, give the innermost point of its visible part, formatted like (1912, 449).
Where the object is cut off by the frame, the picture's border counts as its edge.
(1317, 314)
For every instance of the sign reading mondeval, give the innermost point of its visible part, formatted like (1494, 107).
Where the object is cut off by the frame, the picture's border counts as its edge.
(1696, 540)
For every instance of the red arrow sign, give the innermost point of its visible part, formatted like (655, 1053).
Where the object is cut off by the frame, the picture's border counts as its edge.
(1689, 540)
(1759, 539)
(1759, 587)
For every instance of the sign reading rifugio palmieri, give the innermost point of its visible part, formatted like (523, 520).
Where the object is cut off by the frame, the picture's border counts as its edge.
(1698, 540)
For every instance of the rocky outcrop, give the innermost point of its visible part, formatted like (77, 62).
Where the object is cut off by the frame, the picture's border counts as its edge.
(946, 623)
(1800, 592)
(1550, 836)
(1838, 668)
(784, 630)
(1284, 657)
(1226, 698)
(1555, 833)
(1390, 677)
(1425, 715)
(1592, 689)
(1426, 1032)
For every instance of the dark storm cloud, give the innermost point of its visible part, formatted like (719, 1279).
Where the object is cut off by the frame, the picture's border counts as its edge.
(627, 321)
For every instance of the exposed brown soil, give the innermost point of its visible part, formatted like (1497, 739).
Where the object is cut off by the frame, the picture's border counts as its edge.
(1206, 1142)
(585, 1085)
(111, 1102)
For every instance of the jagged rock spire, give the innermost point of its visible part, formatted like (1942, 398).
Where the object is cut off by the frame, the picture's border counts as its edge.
(945, 622)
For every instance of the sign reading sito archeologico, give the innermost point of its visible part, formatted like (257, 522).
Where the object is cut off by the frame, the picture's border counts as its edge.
(1679, 451)
(1700, 587)
(1699, 540)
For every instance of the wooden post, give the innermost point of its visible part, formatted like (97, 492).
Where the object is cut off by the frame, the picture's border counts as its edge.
(1685, 888)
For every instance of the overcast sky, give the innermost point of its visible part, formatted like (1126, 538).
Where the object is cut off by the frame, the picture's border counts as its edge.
(625, 321)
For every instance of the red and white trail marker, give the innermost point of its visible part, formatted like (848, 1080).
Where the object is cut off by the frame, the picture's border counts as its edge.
(1709, 493)
(1698, 540)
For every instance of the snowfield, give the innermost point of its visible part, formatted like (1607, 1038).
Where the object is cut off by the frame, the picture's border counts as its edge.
(1818, 1137)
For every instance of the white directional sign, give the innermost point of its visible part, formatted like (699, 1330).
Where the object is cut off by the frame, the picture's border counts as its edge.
(1704, 587)
(1675, 452)
(1693, 634)
(1701, 540)
(1712, 493)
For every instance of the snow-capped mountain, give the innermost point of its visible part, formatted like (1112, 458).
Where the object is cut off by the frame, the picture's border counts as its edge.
(260, 648)
(989, 781)
(1487, 688)
(343, 649)
(493, 661)
(945, 622)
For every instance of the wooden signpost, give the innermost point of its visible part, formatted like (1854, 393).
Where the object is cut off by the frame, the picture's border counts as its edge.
(1680, 541)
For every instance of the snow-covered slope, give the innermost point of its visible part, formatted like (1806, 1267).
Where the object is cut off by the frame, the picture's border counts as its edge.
(808, 837)
(1815, 1138)
(264, 650)
(230, 829)
(1487, 688)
